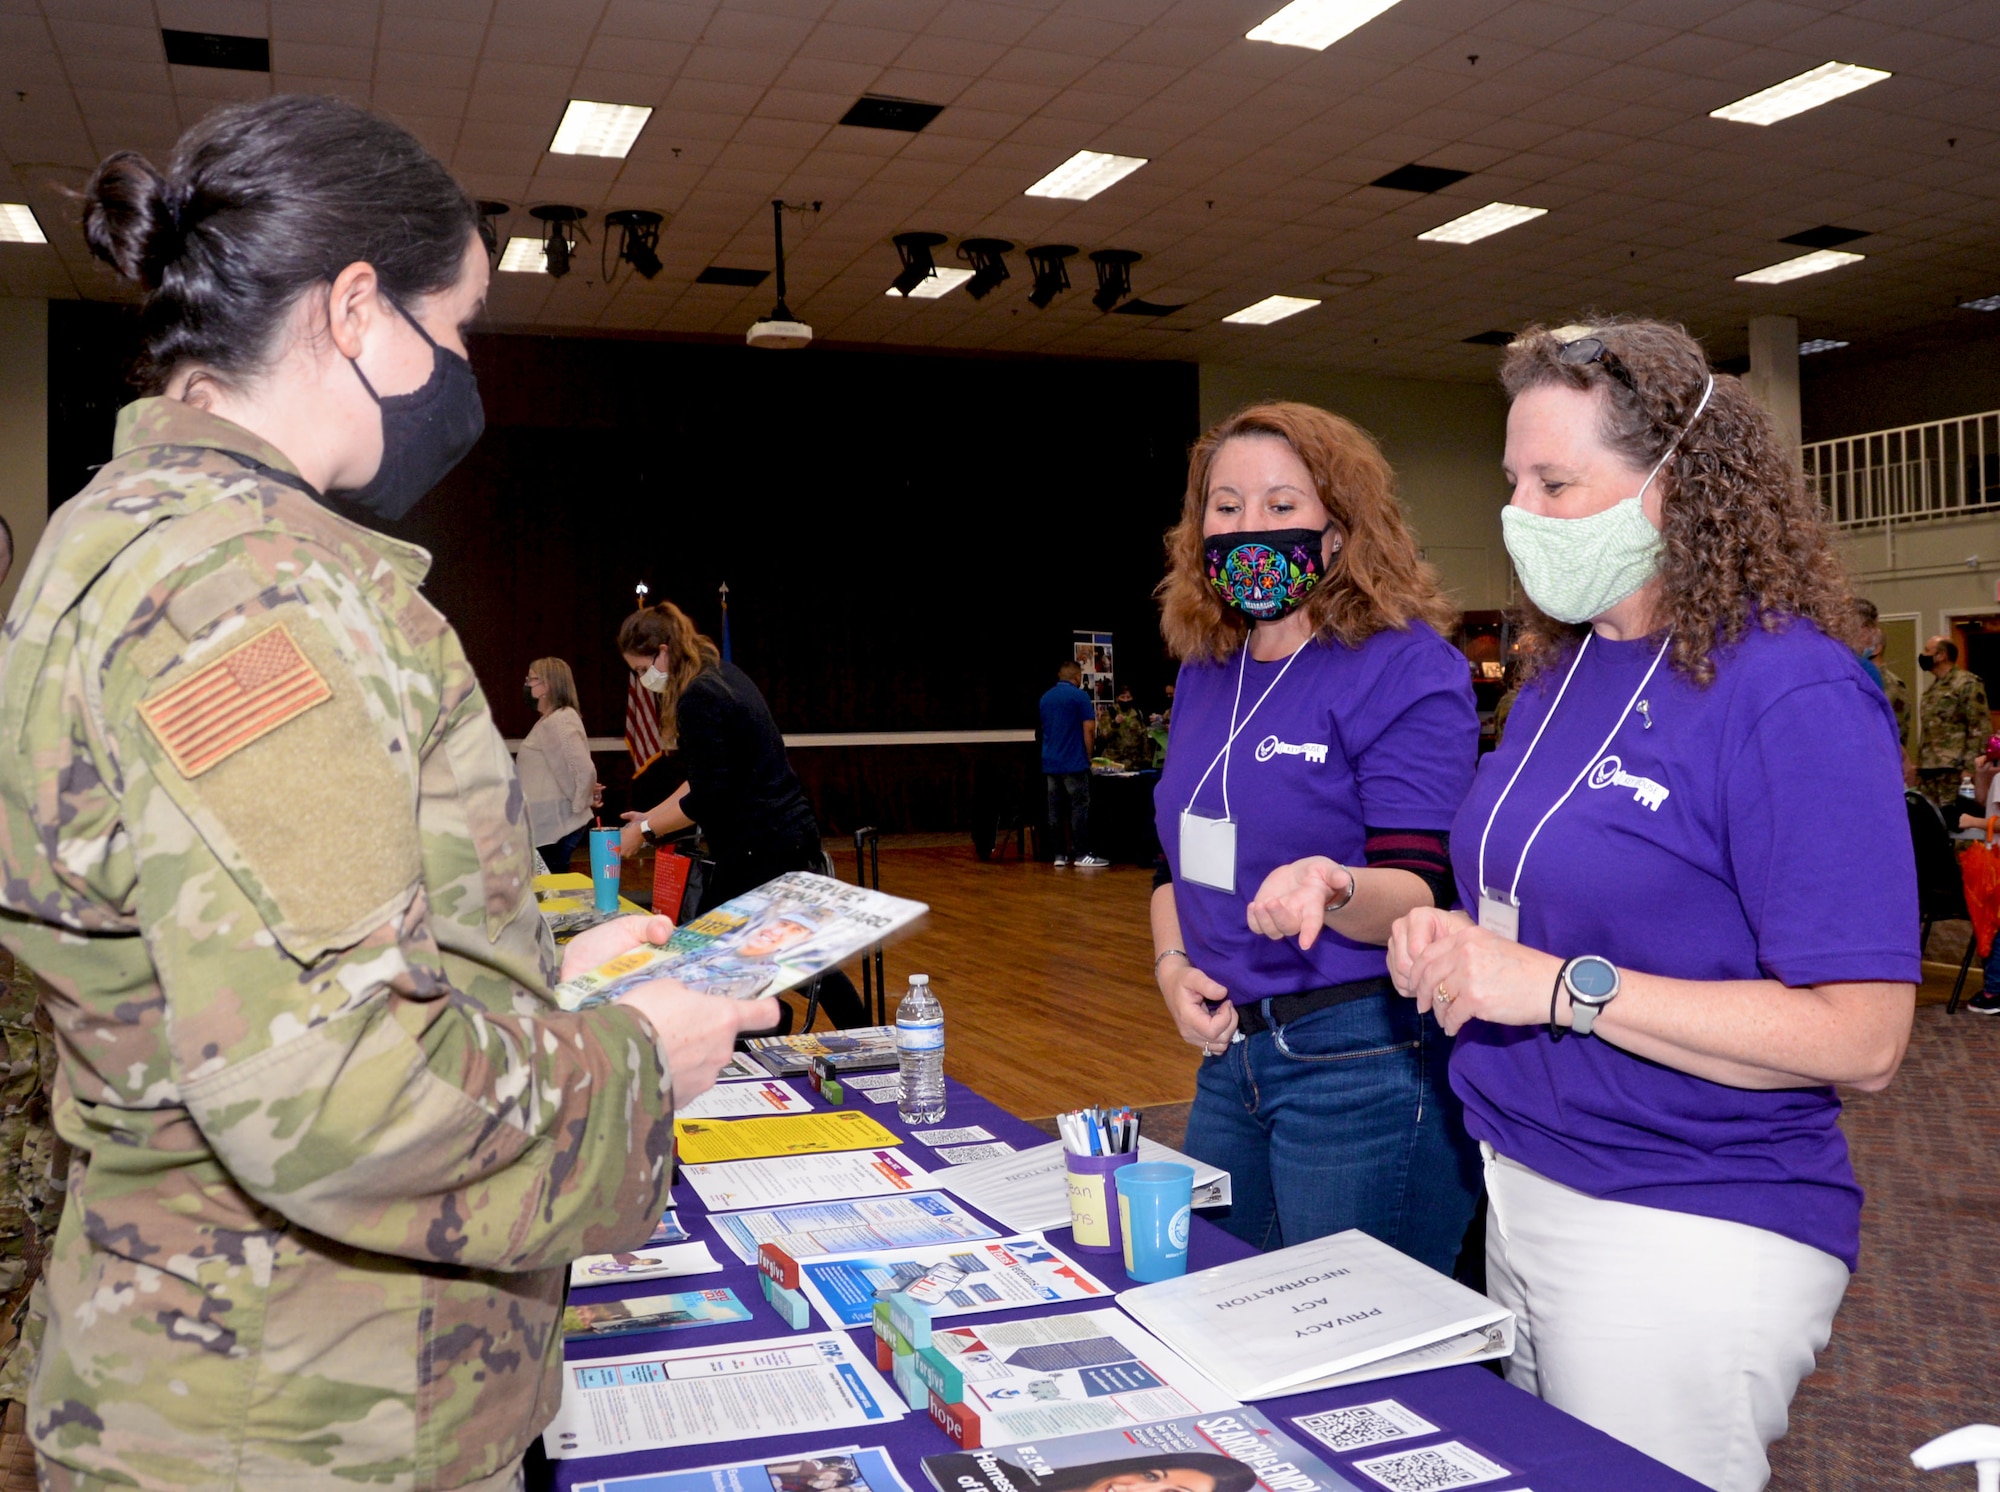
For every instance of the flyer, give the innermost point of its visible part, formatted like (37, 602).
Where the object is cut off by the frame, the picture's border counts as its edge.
(1000, 1274)
(1061, 1375)
(1202, 1443)
(642, 1264)
(877, 1223)
(700, 1395)
(617, 1318)
(734, 1184)
(763, 942)
(740, 1100)
(702, 1140)
(844, 1468)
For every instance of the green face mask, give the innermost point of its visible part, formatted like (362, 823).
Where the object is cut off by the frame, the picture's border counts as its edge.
(1576, 569)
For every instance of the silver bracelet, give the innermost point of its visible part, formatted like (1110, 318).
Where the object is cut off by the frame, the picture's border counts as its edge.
(1164, 955)
(1352, 885)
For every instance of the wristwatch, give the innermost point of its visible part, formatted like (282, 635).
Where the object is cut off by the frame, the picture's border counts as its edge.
(646, 835)
(1591, 983)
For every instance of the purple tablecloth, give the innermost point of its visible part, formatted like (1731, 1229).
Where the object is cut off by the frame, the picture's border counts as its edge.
(1548, 1450)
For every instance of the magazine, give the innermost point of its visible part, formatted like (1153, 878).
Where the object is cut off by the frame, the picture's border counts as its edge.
(1058, 1375)
(617, 1318)
(1197, 1443)
(760, 943)
(862, 1049)
(1341, 1309)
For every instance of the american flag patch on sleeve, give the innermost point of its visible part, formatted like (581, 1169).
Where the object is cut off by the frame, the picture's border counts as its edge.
(242, 696)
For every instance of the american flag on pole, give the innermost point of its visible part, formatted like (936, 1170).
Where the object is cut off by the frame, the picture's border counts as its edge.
(642, 725)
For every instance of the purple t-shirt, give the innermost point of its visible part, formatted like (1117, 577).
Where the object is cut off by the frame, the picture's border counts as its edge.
(1382, 735)
(1754, 829)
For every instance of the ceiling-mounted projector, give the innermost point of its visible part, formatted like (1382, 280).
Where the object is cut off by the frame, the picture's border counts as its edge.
(777, 333)
(780, 329)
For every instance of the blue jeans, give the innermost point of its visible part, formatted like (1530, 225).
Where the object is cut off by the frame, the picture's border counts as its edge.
(1075, 788)
(558, 855)
(1341, 1119)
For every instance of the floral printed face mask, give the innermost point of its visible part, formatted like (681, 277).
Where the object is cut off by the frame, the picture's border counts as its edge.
(1266, 575)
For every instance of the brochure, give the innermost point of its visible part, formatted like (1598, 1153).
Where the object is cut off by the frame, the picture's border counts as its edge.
(739, 1067)
(845, 1468)
(999, 1275)
(815, 1228)
(1029, 1192)
(1341, 1309)
(649, 1263)
(763, 942)
(700, 1395)
(701, 1140)
(744, 1100)
(1061, 1375)
(784, 1180)
(667, 1230)
(1201, 1443)
(869, 1050)
(617, 1318)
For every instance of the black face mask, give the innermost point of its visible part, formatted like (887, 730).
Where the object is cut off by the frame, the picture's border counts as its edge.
(1926, 662)
(1267, 574)
(425, 433)
(528, 693)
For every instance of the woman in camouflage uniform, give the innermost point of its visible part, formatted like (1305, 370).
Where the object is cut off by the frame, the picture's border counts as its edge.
(336, 1143)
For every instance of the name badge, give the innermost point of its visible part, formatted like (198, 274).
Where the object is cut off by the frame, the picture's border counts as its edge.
(1497, 913)
(1208, 851)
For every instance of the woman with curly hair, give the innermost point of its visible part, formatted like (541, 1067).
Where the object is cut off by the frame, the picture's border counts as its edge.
(1688, 930)
(1323, 737)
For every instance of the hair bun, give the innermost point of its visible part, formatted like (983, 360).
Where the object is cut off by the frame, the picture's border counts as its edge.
(129, 219)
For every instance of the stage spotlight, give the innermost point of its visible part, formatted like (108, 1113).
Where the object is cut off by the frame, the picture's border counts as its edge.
(490, 213)
(987, 256)
(918, 266)
(1051, 275)
(1114, 276)
(638, 239)
(561, 228)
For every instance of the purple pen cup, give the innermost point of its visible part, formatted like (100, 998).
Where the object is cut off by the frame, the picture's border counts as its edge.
(1093, 1201)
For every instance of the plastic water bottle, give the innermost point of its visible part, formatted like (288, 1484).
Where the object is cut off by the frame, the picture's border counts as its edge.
(920, 1053)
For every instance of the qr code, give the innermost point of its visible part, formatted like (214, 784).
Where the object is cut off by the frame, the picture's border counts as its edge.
(1431, 1468)
(1361, 1425)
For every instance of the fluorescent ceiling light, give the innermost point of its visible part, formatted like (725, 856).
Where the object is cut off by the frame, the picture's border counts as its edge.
(1984, 303)
(1819, 344)
(1271, 308)
(599, 129)
(525, 256)
(18, 225)
(1317, 24)
(1494, 217)
(1818, 262)
(942, 281)
(1085, 174)
(1824, 84)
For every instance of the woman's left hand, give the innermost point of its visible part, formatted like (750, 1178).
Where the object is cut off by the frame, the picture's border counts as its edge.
(604, 942)
(630, 837)
(1468, 972)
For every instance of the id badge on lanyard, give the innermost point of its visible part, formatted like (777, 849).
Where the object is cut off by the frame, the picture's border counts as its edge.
(1208, 851)
(1500, 913)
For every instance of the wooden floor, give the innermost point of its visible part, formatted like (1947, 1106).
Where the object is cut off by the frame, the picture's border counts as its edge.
(1045, 975)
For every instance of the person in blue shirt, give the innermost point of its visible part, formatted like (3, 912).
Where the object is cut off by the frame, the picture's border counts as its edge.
(1069, 734)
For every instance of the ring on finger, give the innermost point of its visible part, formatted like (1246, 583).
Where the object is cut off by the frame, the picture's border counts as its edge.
(1443, 996)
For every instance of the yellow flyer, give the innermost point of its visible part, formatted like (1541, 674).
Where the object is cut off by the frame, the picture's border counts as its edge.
(703, 1140)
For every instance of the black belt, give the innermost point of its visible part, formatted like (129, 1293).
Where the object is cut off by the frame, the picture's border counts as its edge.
(1284, 1009)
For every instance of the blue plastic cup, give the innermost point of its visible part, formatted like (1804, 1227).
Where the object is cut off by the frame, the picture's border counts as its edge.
(1155, 1209)
(605, 867)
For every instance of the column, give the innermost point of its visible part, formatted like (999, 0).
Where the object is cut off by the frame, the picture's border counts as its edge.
(1774, 372)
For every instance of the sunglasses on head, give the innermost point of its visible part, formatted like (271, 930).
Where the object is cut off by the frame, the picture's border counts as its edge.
(1591, 350)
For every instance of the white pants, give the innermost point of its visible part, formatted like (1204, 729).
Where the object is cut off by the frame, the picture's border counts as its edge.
(1682, 1336)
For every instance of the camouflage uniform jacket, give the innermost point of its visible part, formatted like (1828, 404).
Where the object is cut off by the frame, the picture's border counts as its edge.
(1956, 722)
(1899, 701)
(260, 836)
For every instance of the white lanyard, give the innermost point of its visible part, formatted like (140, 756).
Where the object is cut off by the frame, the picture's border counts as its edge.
(1235, 730)
(1514, 890)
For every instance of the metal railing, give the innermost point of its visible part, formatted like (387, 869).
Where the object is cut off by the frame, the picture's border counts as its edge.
(1945, 469)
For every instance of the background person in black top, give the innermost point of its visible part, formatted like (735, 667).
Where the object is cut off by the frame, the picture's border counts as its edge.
(740, 788)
